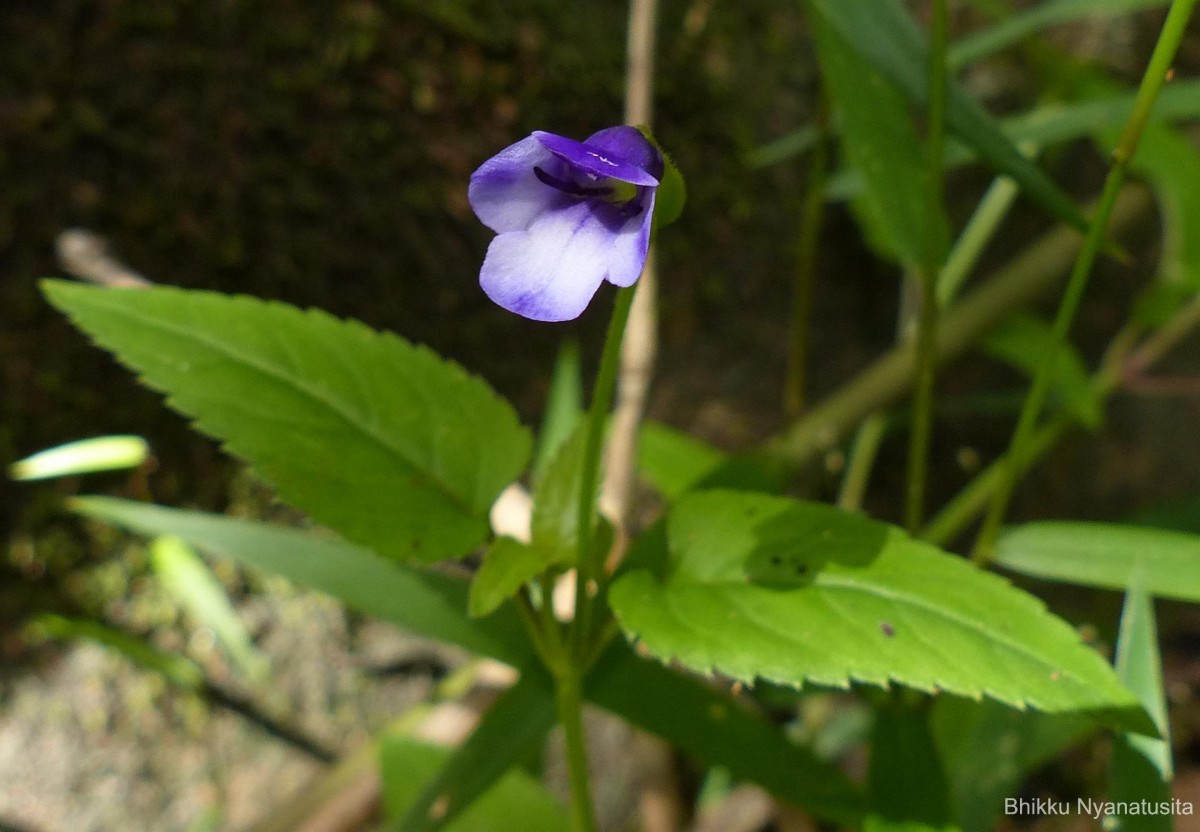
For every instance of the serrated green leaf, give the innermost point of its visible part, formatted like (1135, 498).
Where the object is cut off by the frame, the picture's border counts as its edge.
(512, 729)
(507, 566)
(884, 33)
(85, 456)
(989, 750)
(851, 600)
(1104, 555)
(905, 781)
(683, 711)
(190, 580)
(424, 602)
(879, 140)
(406, 765)
(1022, 341)
(1141, 766)
(383, 441)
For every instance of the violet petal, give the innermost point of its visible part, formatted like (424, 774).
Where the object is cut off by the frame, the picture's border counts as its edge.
(550, 271)
(505, 193)
(630, 245)
(596, 160)
(629, 145)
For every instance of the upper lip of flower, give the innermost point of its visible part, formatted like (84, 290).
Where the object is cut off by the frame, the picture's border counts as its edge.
(600, 161)
(569, 216)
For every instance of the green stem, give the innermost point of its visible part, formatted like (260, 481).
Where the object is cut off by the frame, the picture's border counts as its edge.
(811, 222)
(1119, 359)
(1019, 447)
(922, 426)
(1025, 279)
(590, 563)
(966, 505)
(569, 688)
(858, 470)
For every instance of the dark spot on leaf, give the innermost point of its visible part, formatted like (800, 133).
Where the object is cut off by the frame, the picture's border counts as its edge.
(887, 629)
(776, 560)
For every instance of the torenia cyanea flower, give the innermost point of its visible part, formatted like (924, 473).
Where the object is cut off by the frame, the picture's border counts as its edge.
(569, 216)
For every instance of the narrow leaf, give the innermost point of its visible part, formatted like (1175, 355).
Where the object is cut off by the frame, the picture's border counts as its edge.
(190, 580)
(86, 456)
(989, 750)
(383, 441)
(884, 33)
(1141, 766)
(1042, 16)
(564, 406)
(719, 730)
(1104, 555)
(880, 141)
(799, 593)
(179, 670)
(511, 731)
(408, 765)
(905, 781)
(554, 526)
(423, 602)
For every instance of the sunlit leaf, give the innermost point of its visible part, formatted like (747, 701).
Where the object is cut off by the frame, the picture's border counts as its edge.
(423, 602)
(86, 456)
(190, 580)
(801, 593)
(1104, 555)
(884, 33)
(392, 446)
(408, 765)
(880, 141)
(1141, 766)
(507, 566)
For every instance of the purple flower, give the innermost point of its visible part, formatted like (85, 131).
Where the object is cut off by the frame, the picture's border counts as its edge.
(569, 215)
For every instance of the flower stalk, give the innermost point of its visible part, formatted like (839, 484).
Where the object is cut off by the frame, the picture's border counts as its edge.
(922, 426)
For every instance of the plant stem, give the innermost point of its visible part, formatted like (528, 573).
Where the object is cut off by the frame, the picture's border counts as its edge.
(1152, 81)
(569, 688)
(1023, 280)
(862, 459)
(922, 426)
(590, 563)
(811, 221)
